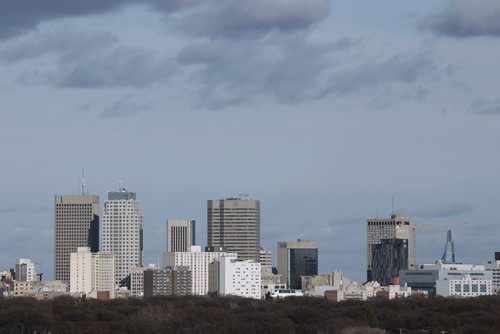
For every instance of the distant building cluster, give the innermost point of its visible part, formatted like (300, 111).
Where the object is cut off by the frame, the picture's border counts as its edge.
(233, 263)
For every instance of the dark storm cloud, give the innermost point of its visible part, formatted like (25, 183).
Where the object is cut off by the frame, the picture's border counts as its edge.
(484, 107)
(232, 18)
(449, 210)
(86, 60)
(207, 17)
(466, 18)
(20, 16)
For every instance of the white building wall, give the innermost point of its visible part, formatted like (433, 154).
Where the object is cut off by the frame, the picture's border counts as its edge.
(81, 271)
(123, 223)
(464, 287)
(198, 262)
(239, 278)
(28, 269)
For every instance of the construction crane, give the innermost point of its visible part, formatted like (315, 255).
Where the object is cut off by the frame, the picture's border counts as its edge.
(414, 228)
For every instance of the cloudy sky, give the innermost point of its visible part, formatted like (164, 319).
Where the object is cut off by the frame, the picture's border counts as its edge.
(321, 109)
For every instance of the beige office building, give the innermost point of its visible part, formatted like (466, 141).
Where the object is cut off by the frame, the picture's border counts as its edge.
(76, 225)
(234, 223)
(395, 227)
(92, 274)
(180, 235)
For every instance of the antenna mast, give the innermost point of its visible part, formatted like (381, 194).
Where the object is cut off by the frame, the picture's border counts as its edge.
(83, 181)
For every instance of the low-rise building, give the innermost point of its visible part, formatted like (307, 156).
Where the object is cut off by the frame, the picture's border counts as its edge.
(198, 262)
(137, 282)
(425, 278)
(169, 281)
(92, 274)
(230, 277)
(464, 286)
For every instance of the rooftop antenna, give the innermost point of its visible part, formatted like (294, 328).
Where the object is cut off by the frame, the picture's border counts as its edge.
(83, 181)
(392, 212)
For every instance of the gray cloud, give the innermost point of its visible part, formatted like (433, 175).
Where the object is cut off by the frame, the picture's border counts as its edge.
(212, 17)
(87, 60)
(285, 68)
(401, 68)
(485, 107)
(127, 106)
(18, 17)
(232, 18)
(449, 210)
(465, 18)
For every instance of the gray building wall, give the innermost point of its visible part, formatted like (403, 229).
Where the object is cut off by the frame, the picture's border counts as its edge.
(76, 224)
(234, 223)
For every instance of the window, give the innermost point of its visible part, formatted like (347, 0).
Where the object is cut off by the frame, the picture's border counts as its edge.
(474, 288)
(466, 288)
(482, 288)
(458, 288)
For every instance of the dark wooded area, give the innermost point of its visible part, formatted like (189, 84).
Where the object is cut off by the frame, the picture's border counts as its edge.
(237, 315)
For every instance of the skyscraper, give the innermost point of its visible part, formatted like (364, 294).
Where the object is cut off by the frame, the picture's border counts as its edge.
(180, 235)
(388, 258)
(296, 259)
(449, 249)
(395, 227)
(123, 231)
(234, 223)
(76, 225)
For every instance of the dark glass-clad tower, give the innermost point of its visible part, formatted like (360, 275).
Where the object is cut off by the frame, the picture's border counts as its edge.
(296, 259)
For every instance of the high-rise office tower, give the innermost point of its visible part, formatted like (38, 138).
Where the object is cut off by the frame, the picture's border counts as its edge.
(122, 225)
(180, 235)
(449, 249)
(234, 223)
(296, 259)
(395, 227)
(388, 258)
(76, 225)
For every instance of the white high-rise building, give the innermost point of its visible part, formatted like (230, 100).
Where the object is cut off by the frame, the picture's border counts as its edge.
(123, 232)
(92, 273)
(180, 235)
(26, 270)
(198, 262)
(230, 277)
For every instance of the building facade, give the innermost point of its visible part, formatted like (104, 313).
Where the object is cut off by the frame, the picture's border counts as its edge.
(92, 274)
(198, 262)
(123, 236)
(76, 225)
(388, 258)
(26, 270)
(426, 277)
(395, 227)
(296, 259)
(180, 235)
(169, 281)
(234, 223)
(464, 286)
(231, 277)
(266, 263)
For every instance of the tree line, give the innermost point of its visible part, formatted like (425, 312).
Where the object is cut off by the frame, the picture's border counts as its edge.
(237, 315)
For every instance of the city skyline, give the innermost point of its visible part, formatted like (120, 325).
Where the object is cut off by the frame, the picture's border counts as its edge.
(320, 109)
